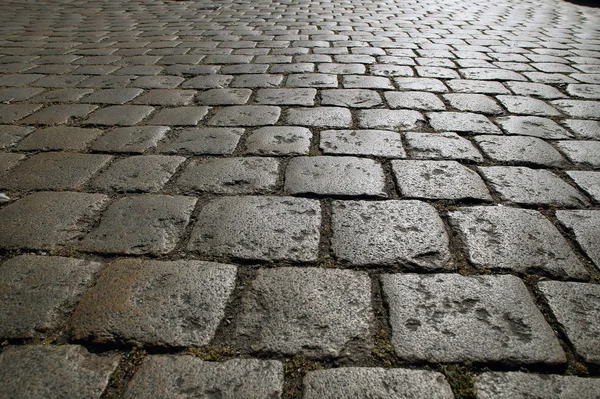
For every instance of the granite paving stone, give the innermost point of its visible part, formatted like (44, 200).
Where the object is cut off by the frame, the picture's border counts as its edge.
(390, 119)
(257, 80)
(461, 122)
(39, 292)
(533, 126)
(491, 74)
(581, 152)
(535, 90)
(576, 306)
(158, 303)
(18, 93)
(10, 113)
(421, 84)
(352, 98)
(61, 95)
(361, 382)
(223, 96)
(59, 114)
(301, 96)
(172, 377)
(134, 139)
(366, 82)
(378, 143)
(334, 176)
(179, 116)
(246, 115)
(258, 227)
(167, 97)
(319, 117)
(473, 103)
(441, 146)
(584, 129)
(9, 160)
(208, 82)
(419, 100)
(157, 82)
(211, 141)
(279, 140)
(522, 105)
(239, 175)
(143, 173)
(585, 225)
(518, 385)
(438, 180)
(452, 318)
(316, 80)
(11, 135)
(48, 220)
(478, 86)
(587, 91)
(59, 138)
(119, 115)
(579, 108)
(520, 150)
(409, 234)
(512, 239)
(65, 371)
(588, 182)
(112, 96)
(310, 311)
(54, 171)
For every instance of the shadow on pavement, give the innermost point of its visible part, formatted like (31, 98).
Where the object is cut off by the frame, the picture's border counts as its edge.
(588, 3)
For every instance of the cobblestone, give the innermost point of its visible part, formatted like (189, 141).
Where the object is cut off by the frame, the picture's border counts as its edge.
(586, 153)
(379, 143)
(119, 115)
(532, 126)
(59, 138)
(462, 122)
(213, 141)
(246, 115)
(588, 182)
(135, 139)
(520, 150)
(441, 146)
(585, 225)
(279, 140)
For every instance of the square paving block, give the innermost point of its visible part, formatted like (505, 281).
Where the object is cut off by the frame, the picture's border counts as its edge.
(441, 146)
(279, 140)
(520, 150)
(206, 141)
(59, 138)
(134, 139)
(378, 143)
(585, 225)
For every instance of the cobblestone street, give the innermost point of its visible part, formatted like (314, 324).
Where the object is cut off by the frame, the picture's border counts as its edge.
(319, 199)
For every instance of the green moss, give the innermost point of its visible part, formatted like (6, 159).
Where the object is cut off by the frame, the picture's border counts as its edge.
(212, 353)
(295, 369)
(461, 379)
(383, 350)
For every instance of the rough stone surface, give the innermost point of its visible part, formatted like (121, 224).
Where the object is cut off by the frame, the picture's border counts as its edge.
(147, 302)
(462, 122)
(246, 115)
(581, 152)
(180, 116)
(453, 318)
(576, 306)
(173, 377)
(264, 228)
(588, 182)
(364, 382)
(409, 234)
(520, 240)
(390, 119)
(523, 185)
(210, 141)
(286, 96)
(310, 311)
(533, 126)
(520, 150)
(10, 135)
(378, 143)
(353, 98)
(134, 139)
(320, 117)
(438, 180)
(146, 224)
(334, 176)
(441, 146)
(419, 100)
(585, 224)
(57, 138)
(279, 140)
(119, 115)
(517, 385)
(9, 160)
(37, 293)
(65, 371)
(48, 220)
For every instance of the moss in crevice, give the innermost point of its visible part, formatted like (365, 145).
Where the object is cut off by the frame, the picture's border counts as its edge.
(124, 372)
(295, 369)
(212, 353)
(461, 380)
(383, 351)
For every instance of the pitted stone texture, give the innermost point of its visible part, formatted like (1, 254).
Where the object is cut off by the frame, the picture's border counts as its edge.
(520, 150)
(438, 180)
(535, 90)
(168, 97)
(147, 302)
(585, 224)
(418, 100)
(10, 135)
(286, 96)
(336, 176)
(119, 115)
(48, 220)
(579, 109)
(490, 74)
(211, 81)
(312, 80)
(512, 239)
(576, 306)
(247, 175)
(451, 318)
(473, 103)
(180, 116)
(135, 139)
(441, 146)
(59, 138)
(65, 371)
(9, 160)
(246, 115)
(210, 141)
(224, 96)
(10, 113)
(175, 377)
(533, 126)
(584, 90)
(264, 228)
(310, 311)
(320, 117)
(588, 182)
(462, 122)
(365, 382)
(527, 106)
(584, 129)
(145, 224)
(144, 173)
(54, 171)
(37, 293)
(279, 140)
(586, 153)
(353, 98)
(113, 96)
(59, 114)
(379, 143)
(421, 84)
(390, 233)
(477, 86)
(523, 185)
(390, 119)
(518, 385)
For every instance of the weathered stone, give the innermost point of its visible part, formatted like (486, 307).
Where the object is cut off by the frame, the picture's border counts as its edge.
(59, 138)
(286, 96)
(279, 140)
(438, 180)
(421, 84)
(180, 116)
(168, 97)
(451, 318)
(265, 228)
(246, 115)
(366, 82)
(535, 89)
(212, 141)
(477, 86)
(441, 146)
(211, 81)
(379, 143)
(584, 129)
(310, 311)
(54, 171)
(578, 108)
(113, 96)
(512, 239)
(247, 175)
(588, 182)
(146, 224)
(576, 306)
(224, 96)
(320, 80)
(147, 302)
(10, 135)
(173, 377)
(65, 371)
(10, 113)
(157, 82)
(390, 119)
(473, 103)
(418, 100)
(519, 150)
(336, 176)
(9, 160)
(59, 114)
(518, 385)
(523, 185)
(490, 74)
(134, 139)
(581, 152)
(353, 98)
(533, 126)
(585, 224)
(462, 122)
(320, 117)
(119, 115)
(61, 95)
(364, 382)
(39, 292)
(390, 233)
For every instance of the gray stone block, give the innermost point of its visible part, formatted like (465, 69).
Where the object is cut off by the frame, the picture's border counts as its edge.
(512, 239)
(320, 117)
(279, 140)
(378, 143)
(390, 119)
(11, 135)
(520, 150)
(310, 311)
(169, 97)
(473, 103)
(264, 228)
(10, 113)
(581, 152)
(180, 116)
(59, 114)
(9, 160)
(210, 141)
(390, 233)
(588, 182)
(119, 115)
(224, 96)
(533, 126)
(585, 225)
(522, 105)
(353, 98)
(134, 139)
(246, 115)
(286, 96)
(584, 129)
(441, 146)
(146, 302)
(418, 100)
(578, 108)
(451, 318)
(461, 122)
(57, 138)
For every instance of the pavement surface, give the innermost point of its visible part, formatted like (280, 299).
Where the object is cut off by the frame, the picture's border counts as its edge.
(299, 199)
